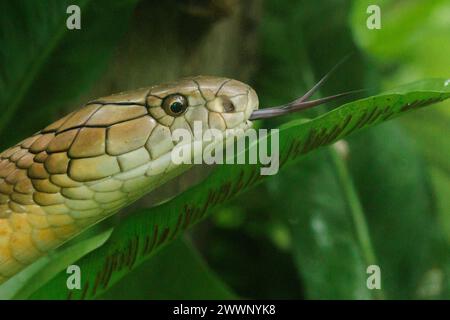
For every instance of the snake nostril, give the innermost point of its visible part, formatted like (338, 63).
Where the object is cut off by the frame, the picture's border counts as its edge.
(227, 104)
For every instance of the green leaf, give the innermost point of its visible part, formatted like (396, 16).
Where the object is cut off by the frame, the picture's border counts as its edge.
(178, 272)
(44, 64)
(146, 231)
(37, 274)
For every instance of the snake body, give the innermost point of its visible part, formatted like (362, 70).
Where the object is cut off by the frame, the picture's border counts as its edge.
(100, 158)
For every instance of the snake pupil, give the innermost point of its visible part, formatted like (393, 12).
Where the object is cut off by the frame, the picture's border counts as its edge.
(176, 107)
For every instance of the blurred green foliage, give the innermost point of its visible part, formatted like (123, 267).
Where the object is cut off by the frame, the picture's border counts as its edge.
(45, 65)
(293, 236)
(403, 194)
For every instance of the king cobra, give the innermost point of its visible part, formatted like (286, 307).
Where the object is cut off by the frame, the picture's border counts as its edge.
(107, 154)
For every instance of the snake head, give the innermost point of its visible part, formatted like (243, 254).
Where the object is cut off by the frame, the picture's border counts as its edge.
(215, 102)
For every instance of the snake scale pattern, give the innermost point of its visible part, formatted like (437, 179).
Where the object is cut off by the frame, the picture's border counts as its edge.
(100, 158)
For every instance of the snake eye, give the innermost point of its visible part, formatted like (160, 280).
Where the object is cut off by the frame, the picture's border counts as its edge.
(175, 104)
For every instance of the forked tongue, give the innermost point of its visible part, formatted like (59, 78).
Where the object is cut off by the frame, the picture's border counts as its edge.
(302, 103)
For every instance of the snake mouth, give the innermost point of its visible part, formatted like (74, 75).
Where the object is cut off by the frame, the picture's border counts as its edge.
(302, 103)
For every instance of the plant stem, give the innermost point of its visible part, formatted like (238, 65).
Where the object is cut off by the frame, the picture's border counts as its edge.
(357, 214)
